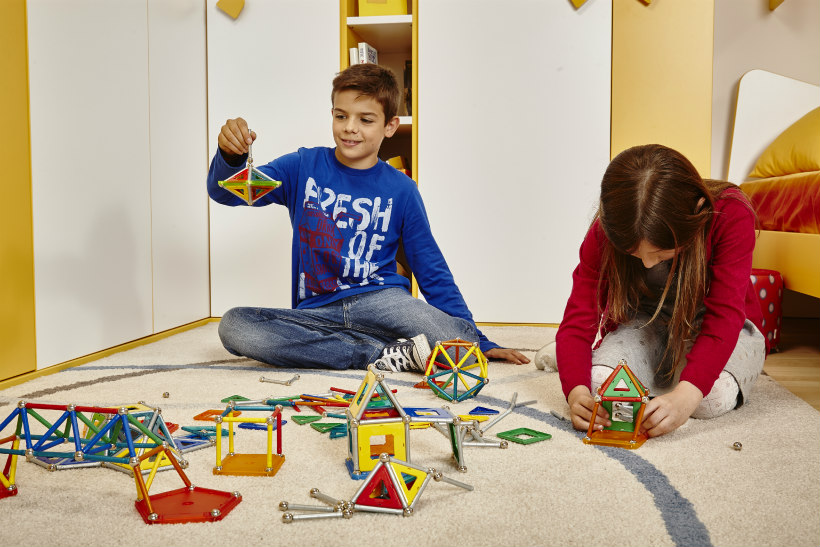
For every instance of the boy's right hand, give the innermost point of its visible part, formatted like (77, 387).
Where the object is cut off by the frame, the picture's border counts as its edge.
(235, 138)
(581, 404)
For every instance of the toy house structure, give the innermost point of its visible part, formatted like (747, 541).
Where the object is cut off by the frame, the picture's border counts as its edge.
(625, 398)
(379, 424)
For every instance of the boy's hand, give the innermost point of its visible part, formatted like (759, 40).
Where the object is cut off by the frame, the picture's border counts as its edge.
(235, 138)
(581, 404)
(506, 354)
(668, 412)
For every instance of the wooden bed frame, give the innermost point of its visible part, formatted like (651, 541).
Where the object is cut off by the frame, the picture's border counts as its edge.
(768, 103)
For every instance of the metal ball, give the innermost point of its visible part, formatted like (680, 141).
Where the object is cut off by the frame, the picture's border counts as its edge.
(384, 457)
(215, 512)
(347, 513)
(287, 517)
(408, 512)
(165, 395)
(737, 446)
(313, 492)
(283, 506)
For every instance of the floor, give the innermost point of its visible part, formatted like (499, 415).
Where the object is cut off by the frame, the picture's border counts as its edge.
(797, 365)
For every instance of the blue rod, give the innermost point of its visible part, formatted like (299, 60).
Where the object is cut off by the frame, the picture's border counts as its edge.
(51, 431)
(8, 420)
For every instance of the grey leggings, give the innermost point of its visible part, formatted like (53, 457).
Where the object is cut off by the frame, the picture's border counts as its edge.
(642, 347)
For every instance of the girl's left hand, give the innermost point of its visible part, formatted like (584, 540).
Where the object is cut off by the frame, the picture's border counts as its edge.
(668, 412)
(506, 354)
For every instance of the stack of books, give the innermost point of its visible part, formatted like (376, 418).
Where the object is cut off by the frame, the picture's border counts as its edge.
(365, 53)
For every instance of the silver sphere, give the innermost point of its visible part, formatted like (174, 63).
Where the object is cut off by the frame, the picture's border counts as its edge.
(283, 506)
(737, 446)
(287, 518)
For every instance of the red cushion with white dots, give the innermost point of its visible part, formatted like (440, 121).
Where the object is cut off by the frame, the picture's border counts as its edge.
(768, 286)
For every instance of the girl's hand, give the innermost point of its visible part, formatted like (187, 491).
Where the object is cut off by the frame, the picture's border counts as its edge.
(668, 412)
(581, 404)
(506, 354)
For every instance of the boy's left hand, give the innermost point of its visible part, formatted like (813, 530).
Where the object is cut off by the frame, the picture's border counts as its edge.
(506, 354)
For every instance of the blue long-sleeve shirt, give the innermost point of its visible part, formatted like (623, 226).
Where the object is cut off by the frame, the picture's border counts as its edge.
(347, 227)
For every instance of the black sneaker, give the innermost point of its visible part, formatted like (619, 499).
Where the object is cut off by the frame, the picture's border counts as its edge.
(405, 355)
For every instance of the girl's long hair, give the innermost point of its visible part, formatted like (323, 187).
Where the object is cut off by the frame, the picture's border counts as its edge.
(654, 193)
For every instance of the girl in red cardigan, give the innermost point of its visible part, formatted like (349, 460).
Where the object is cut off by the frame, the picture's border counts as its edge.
(663, 282)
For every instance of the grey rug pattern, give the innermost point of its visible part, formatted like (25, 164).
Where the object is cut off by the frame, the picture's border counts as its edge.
(686, 488)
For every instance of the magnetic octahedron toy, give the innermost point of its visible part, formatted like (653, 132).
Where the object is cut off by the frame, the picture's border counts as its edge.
(625, 398)
(250, 183)
(456, 372)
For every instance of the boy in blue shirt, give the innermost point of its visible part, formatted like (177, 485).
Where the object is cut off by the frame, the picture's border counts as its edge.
(349, 210)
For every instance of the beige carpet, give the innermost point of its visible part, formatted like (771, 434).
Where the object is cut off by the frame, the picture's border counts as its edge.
(687, 488)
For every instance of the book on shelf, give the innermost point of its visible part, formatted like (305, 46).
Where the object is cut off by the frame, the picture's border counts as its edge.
(368, 54)
(354, 56)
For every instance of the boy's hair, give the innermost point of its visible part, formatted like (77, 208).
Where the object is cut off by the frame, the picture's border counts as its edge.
(654, 193)
(373, 81)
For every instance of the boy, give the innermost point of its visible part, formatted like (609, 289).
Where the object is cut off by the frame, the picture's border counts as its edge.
(349, 213)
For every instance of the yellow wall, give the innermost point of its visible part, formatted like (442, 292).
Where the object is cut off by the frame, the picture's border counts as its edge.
(662, 76)
(17, 342)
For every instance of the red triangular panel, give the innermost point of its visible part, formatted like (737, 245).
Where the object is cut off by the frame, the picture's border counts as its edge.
(242, 175)
(380, 491)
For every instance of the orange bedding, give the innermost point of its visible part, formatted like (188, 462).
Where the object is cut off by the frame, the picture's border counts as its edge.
(787, 204)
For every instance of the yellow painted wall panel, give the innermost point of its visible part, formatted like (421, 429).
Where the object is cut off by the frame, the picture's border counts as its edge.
(662, 76)
(17, 340)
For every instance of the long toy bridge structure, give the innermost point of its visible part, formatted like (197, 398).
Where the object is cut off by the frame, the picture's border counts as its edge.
(110, 439)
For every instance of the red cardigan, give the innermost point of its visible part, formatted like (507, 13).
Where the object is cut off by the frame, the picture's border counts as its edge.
(729, 301)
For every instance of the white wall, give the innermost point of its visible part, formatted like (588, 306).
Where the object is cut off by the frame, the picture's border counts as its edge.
(92, 146)
(179, 153)
(747, 36)
(273, 66)
(514, 109)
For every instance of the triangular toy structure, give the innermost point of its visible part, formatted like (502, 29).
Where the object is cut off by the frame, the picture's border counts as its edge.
(393, 486)
(250, 183)
(625, 398)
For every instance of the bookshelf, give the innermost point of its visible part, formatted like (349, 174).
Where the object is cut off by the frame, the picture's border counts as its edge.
(395, 37)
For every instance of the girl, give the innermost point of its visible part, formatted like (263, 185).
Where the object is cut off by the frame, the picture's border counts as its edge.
(664, 279)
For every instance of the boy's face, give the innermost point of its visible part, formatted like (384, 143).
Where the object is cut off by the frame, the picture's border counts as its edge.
(359, 128)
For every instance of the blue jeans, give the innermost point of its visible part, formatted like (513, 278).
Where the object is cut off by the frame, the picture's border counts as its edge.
(348, 333)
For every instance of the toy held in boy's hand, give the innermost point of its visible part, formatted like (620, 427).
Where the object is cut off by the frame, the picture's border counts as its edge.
(250, 183)
(625, 398)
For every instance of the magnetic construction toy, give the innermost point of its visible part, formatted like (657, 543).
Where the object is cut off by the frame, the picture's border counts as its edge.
(112, 441)
(250, 183)
(387, 429)
(393, 486)
(456, 372)
(267, 464)
(625, 398)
